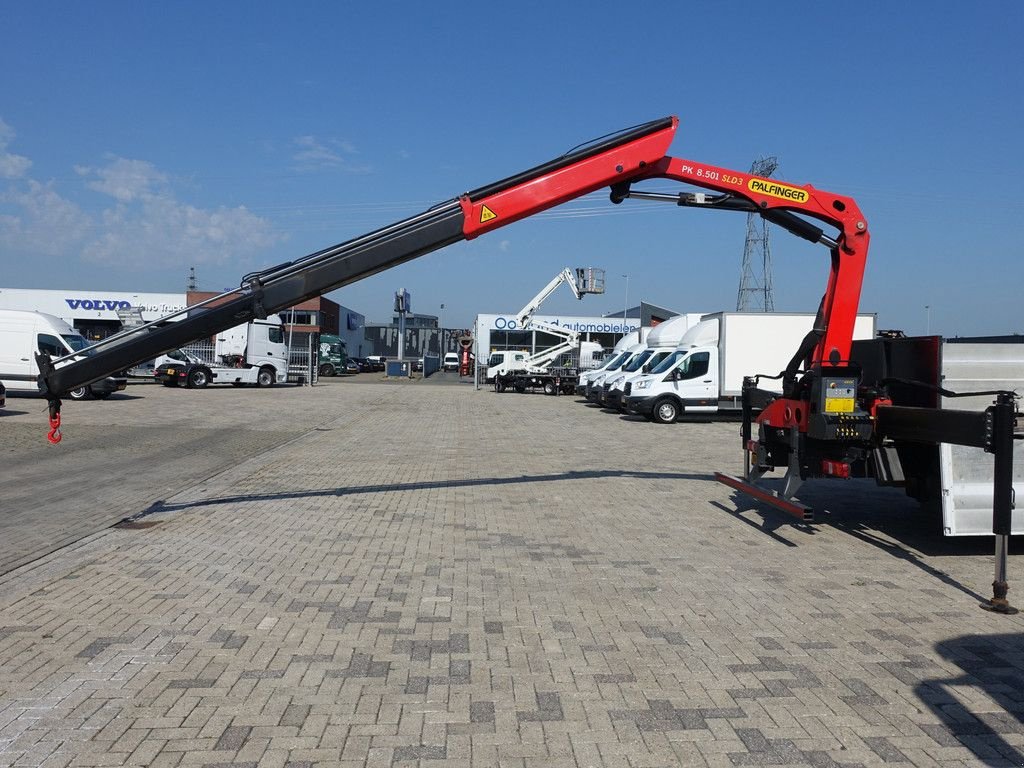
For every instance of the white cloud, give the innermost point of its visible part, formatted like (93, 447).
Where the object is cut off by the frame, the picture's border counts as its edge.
(313, 154)
(144, 227)
(11, 166)
(165, 232)
(124, 179)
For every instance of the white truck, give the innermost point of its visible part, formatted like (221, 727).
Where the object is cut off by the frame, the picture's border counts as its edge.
(253, 353)
(24, 333)
(704, 375)
(661, 342)
(556, 369)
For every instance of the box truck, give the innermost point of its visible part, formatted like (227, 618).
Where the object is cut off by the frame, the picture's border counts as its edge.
(704, 375)
(24, 333)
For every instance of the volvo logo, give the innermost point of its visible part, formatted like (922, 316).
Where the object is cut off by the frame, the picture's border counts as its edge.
(110, 304)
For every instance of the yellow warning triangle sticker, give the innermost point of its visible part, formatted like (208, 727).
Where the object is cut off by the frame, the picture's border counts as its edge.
(486, 214)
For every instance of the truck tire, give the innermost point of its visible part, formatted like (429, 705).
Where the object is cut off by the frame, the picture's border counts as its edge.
(266, 377)
(326, 369)
(81, 393)
(550, 388)
(666, 411)
(519, 386)
(198, 378)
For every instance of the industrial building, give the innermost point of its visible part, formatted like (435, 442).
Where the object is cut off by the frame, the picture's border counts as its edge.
(95, 313)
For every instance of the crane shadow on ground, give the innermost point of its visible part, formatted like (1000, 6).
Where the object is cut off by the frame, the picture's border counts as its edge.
(164, 506)
(993, 665)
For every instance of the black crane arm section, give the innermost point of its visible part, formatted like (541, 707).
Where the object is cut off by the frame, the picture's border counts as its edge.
(614, 161)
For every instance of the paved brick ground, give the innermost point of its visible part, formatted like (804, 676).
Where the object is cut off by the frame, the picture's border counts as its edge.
(436, 576)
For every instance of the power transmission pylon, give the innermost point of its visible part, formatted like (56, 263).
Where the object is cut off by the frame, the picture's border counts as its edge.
(756, 294)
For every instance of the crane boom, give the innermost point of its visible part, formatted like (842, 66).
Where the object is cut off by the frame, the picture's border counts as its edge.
(616, 161)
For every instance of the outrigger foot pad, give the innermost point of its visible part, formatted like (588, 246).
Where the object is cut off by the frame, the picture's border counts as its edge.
(801, 511)
(998, 602)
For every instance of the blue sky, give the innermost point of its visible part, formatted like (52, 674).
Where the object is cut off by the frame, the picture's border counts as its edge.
(139, 139)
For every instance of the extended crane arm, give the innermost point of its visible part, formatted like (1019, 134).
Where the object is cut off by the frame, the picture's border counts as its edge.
(565, 276)
(616, 161)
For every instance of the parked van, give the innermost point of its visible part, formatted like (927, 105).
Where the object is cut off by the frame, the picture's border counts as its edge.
(661, 341)
(451, 361)
(24, 333)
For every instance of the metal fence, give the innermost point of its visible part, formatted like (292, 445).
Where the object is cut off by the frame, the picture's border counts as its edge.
(201, 349)
(302, 362)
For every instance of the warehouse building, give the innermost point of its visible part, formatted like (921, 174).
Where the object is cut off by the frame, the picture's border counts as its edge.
(95, 313)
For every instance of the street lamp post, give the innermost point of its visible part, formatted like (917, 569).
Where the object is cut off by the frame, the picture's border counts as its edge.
(440, 331)
(928, 319)
(625, 306)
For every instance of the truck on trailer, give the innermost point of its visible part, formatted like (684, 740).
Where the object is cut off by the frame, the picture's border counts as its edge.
(251, 353)
(704, 374)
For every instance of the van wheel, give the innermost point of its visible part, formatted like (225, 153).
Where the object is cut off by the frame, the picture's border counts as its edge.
(265, 378)
(666, 411)
(82, 393)
(198, 378)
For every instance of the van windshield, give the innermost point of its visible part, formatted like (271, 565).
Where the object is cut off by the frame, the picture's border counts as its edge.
(669, 362)
(637, 362)
(615, 363)
(76, 342)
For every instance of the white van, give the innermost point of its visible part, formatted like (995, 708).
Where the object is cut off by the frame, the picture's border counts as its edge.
(23, 334)
(451, 361)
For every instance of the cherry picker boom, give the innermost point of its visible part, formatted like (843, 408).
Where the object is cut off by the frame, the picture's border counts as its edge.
(824, 424)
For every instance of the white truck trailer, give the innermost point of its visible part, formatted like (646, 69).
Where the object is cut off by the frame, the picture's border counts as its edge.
(705, 373)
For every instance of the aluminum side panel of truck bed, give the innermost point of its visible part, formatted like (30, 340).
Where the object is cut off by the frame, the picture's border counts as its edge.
(763, 343)
(967, 472)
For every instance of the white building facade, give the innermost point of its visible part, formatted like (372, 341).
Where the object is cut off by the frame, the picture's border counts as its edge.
(500, 332)
(93, 313)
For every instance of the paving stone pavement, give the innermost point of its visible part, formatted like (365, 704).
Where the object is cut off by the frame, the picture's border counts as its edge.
(436, 576)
